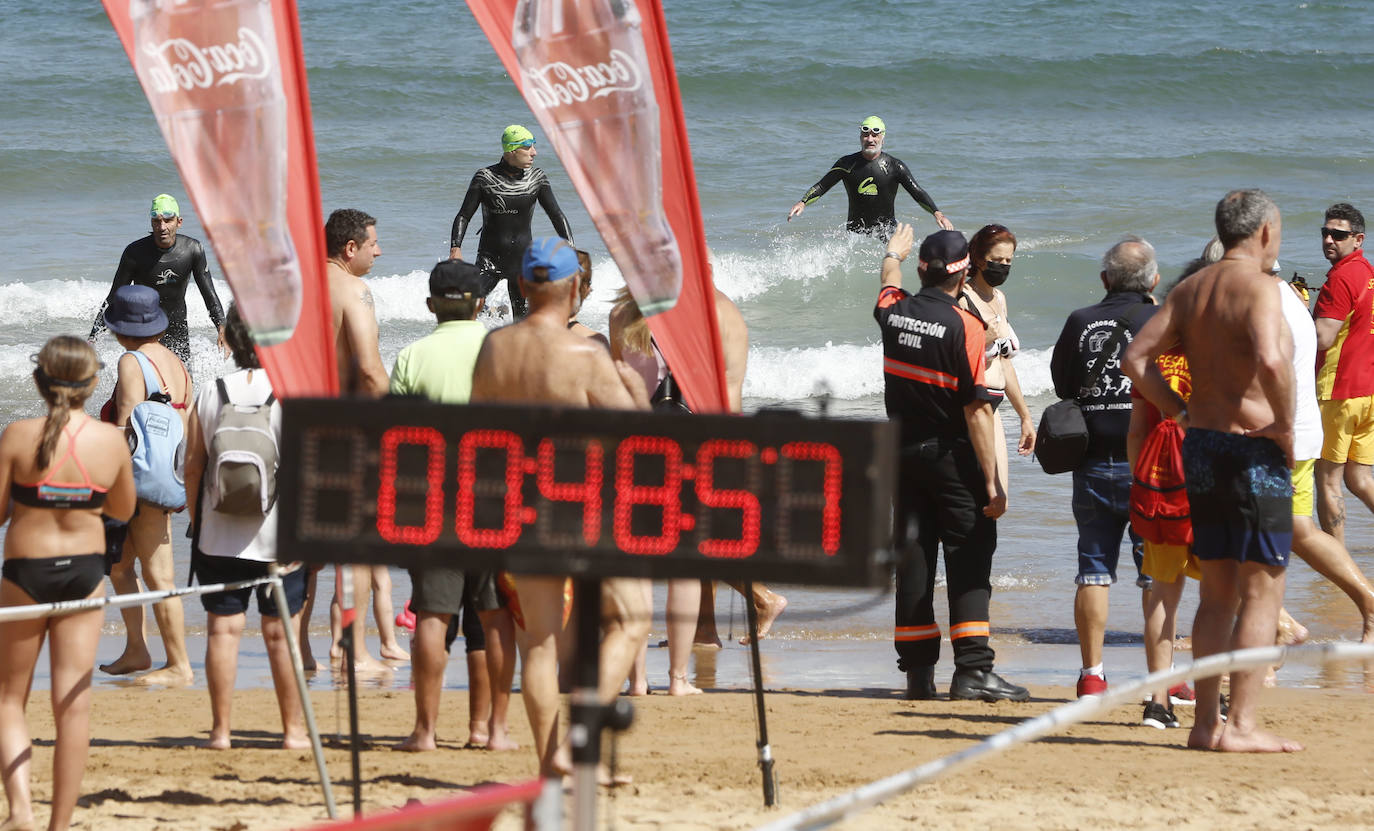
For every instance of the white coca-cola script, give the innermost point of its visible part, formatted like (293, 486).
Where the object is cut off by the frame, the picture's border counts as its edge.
(562, 83)
(180, 64)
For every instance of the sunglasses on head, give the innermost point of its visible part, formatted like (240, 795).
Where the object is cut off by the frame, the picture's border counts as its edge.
(870, 131)
(1336, 234)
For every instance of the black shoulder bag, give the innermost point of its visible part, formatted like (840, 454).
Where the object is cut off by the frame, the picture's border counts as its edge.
(1062, 437)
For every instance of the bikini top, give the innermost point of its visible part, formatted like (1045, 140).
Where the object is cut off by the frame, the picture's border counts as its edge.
(47, 493)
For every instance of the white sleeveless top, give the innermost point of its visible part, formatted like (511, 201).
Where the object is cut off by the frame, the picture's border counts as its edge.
(1307, 421)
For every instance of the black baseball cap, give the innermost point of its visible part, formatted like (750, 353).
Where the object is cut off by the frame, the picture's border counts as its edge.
(949, 248)
(455, 280)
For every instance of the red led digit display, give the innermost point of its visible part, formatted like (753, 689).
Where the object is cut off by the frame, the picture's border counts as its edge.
(586, 491)
(432, 486)
(629, 494)
(542, 490)
(827, 499)
(471, 488)
(743, 500)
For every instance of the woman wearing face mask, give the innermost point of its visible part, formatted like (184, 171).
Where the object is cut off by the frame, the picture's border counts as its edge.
(990, 252)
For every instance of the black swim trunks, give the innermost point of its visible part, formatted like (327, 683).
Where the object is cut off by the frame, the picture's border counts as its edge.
(1240, 491)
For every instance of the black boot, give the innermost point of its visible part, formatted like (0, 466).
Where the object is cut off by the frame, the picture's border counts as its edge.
(984, 685)
(920, 684)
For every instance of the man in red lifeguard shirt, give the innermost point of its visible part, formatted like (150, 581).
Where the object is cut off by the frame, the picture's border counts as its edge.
(1345, 368)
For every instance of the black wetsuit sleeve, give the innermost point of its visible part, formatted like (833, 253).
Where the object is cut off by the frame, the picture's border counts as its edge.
(200, 270)
(124, 275)
(917, 192)
(556, 215)
(827, 182)
(470, 205)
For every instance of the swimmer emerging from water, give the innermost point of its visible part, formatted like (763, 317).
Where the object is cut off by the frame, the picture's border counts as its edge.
(507, 192)
(871, 177)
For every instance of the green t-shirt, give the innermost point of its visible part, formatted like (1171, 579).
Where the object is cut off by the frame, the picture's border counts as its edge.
(439, 365)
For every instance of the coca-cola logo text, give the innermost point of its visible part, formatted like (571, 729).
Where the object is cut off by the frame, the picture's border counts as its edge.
(180, 64)
(562, 83)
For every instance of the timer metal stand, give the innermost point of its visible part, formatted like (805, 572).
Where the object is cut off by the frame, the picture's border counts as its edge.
(588, 716)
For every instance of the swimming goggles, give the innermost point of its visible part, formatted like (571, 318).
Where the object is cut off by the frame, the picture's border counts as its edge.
(870, 131)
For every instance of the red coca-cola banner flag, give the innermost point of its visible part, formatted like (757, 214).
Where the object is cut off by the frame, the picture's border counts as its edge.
(226, 80)
(599, 77)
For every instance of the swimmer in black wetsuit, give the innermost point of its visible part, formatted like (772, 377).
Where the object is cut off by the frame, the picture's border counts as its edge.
(871, 177)
(507, 192)
(166, 261)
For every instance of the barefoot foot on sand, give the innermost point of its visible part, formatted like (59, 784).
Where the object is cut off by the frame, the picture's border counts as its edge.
(1290, 632)
(416, 743)
(1201, 738)
(395, 653)
(301, 742)
(1256, 741)
(167, 677)
(679, 685)
(216, 743)
(501, 743)
(768, 612)
(125, 664)
(368, 665)
(18, 824)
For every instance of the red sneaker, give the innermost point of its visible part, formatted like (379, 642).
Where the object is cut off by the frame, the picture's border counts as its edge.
(1091, 685)
(1181, 693)
(406, 618)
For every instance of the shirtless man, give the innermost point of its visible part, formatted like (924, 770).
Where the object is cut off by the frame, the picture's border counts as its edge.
(351, 244)
(1237, 453)
(539, 361)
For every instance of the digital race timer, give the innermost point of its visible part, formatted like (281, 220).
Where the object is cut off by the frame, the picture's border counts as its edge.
(774, 496)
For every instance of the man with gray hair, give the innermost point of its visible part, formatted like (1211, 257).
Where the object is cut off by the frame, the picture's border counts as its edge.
(1237, 453)
(1090, 346)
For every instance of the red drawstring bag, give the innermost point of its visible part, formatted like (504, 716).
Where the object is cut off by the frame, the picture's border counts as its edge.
(1159, 498)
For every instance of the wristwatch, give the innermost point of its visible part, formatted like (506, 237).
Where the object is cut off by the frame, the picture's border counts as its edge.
(894, 255)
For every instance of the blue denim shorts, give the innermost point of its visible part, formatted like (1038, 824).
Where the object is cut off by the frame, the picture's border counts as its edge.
(1102, 510)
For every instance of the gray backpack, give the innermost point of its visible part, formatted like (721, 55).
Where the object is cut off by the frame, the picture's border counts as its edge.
(241, 470)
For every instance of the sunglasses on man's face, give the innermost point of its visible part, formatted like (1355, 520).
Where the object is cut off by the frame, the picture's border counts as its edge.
(1336, 234)
(870, 131)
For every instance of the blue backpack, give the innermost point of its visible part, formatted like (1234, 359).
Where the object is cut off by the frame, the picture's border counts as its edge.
(157, 443)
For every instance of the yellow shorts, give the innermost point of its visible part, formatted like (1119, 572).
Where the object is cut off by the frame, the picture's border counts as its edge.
(1167, 563)
(1348, 427)
(1303, 479)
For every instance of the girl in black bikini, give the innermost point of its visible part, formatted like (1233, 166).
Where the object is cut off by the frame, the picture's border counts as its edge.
(80, 471)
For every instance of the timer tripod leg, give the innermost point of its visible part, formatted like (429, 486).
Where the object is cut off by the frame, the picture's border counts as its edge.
(770, 781)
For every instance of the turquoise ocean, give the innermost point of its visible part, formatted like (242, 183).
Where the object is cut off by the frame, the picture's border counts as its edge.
(1072, 122)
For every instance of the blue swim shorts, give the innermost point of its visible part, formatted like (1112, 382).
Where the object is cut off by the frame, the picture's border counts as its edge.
(1241, 494)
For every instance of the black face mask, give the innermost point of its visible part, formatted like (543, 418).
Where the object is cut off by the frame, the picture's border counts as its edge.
(996, 273)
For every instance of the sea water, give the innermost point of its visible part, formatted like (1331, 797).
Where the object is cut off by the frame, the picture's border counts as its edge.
(1072, 122)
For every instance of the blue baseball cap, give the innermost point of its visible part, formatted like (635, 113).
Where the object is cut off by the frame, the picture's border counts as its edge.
(554, 254)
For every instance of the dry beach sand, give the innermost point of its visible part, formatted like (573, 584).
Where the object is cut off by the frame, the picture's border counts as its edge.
(695, 765)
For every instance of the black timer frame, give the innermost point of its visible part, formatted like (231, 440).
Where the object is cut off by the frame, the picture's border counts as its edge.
(593, 494)
(588, 493)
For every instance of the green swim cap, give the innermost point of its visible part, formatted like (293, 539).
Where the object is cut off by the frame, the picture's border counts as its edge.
(516, 136)
(164, 205)
(874, 122)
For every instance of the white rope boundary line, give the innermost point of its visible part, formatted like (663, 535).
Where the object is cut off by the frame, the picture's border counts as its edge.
(119, 601)
(834, 810)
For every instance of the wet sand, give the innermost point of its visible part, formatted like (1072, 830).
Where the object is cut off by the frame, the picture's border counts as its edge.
(695, 765)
